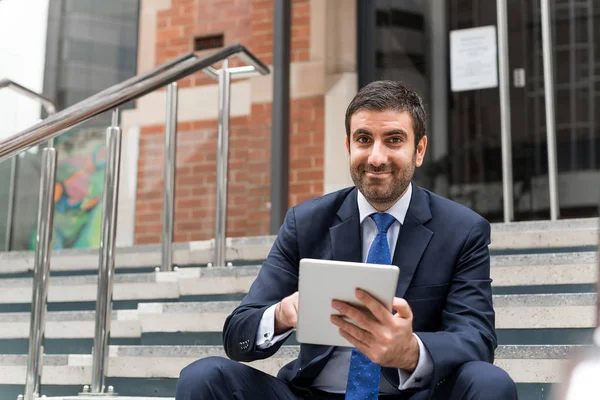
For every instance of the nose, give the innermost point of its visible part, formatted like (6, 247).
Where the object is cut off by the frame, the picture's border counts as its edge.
(378, 155)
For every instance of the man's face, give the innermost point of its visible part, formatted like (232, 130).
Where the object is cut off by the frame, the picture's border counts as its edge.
(383, 155)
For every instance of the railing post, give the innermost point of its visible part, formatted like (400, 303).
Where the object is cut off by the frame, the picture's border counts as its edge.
(548, 58)
(106, 270)
(169, 182)
(222, 163)
(41, 274)
(14, 162)
(505, 121)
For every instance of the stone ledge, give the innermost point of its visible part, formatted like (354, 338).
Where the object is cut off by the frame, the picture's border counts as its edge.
(523, 363)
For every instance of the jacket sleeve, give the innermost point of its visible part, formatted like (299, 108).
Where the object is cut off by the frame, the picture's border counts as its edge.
(278, 278)
(467, 332)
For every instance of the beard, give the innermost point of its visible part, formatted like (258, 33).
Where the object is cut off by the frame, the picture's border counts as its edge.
(375, 190)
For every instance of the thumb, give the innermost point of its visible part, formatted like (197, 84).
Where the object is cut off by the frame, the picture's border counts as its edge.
(402, 308)
(295, 298)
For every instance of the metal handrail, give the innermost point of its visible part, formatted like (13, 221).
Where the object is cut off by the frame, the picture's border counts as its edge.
(111, 99)
(139, 78)
(85, 110)
(48, 104)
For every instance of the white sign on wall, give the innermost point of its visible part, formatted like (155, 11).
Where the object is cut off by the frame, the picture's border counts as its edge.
(473, 59)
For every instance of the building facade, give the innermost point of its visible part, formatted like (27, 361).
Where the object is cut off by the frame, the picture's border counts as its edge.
(445, 49)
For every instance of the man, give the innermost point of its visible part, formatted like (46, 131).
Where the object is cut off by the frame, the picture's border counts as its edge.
(439, 342)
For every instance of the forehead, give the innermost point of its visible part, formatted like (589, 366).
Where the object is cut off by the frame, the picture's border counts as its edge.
(381, 121)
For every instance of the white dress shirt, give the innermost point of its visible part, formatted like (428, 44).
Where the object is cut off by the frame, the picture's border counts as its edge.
(334, 376)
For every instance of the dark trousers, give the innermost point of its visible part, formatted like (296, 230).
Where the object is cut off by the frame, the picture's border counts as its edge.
(221, 378)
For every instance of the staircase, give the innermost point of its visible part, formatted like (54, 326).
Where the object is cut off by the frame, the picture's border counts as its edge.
(544, 294)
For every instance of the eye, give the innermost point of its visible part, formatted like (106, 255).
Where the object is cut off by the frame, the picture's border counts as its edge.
(362, 139)
(396, 140)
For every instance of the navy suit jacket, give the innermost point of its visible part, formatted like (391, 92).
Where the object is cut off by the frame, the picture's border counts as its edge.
(442, 252)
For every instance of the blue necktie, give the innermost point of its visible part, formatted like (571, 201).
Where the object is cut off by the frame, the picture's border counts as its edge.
(363, 376)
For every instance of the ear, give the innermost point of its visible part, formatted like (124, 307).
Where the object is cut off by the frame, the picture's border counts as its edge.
(421, 148)
(347, 145)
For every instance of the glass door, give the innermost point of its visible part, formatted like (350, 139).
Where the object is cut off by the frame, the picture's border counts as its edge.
(575, 35)
(474, 148)
(471, 162)
(429, 43)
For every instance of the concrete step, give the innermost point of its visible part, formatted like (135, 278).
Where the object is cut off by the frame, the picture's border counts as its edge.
(83, 397)
(163, 285)
(545, 311)
(545, 234)
(513, 312)
(128, 389)
(544, 269)
(147, 389)
(507, 271)
(538, 235)
(525, 364)
(151, 317)
(143, 257)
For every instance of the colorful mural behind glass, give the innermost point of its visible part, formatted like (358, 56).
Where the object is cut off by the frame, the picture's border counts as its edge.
(78, 191)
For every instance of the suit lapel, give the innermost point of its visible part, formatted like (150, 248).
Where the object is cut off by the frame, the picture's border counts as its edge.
(413, 239)
(345, 236)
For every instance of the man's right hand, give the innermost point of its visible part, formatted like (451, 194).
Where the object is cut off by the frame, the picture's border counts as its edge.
(286, 314)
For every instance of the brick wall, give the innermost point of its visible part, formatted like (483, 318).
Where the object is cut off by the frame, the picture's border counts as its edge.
(248, 22)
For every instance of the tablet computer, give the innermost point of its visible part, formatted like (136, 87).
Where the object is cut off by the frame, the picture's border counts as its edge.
(321, 281)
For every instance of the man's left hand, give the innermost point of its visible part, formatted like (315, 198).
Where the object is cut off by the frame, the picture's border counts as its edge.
(386, 338)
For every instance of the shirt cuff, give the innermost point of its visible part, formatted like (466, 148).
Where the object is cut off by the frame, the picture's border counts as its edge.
(266, 330)
(421, 376)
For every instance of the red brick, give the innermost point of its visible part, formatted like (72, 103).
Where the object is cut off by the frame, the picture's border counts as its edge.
(262, 27)
(169, 33)
(249, 22)
(182, 20)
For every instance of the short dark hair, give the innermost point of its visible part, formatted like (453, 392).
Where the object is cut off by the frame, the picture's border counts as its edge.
(389, 95)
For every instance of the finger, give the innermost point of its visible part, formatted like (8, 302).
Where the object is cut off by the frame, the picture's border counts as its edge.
(295, 298)
(295, 301)
(378, 310)
(402, 307)
(361, 346)
(355, 331)
(359, 316)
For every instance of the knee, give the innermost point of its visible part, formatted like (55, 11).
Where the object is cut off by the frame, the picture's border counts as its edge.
(195, 379)
(485, 380)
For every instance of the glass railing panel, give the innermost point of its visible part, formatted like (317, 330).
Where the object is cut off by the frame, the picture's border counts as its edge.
(78, 190)
(18, 110)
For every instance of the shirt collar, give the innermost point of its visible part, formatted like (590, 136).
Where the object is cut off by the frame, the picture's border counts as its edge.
(398, 210)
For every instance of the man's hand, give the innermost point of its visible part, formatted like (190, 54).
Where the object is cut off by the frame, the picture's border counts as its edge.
(286, 314)
(385, 338)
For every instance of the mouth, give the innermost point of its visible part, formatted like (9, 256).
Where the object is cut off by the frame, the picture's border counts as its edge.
(371, 174)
